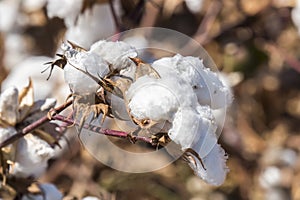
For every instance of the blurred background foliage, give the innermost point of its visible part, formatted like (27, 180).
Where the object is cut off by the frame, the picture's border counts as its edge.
(257, 46)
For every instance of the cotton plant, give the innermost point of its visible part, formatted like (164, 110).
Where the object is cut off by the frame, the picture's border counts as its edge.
(27, 158)
(173, 97)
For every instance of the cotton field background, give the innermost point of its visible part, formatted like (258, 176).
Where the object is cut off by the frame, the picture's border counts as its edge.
(50, 49)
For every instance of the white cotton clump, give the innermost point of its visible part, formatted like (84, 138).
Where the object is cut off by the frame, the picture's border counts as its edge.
(270, 177)
(215, 166)
(90, 198)
(64, 9)
(206, 84)
(79, 82)
(92, 25)
(32, 156)
(151, 100)
(33, 5)
(158, 99)
(115, 53)
(49, 192)
(9, 104)
(194, 5)
(8, 14)
(295, 14)
(98, 61)
(190, 127)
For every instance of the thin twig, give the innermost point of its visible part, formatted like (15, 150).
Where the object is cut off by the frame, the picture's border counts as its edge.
(34, 125)
(104, 131)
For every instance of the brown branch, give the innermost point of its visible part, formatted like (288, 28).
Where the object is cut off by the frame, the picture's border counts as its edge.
(104, 131)
(34, 125)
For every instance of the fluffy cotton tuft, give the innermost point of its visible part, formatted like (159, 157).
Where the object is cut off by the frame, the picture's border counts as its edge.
(215, 166)
(158, 99)
(32, 156)
(205, 83)
(190, 127)
(79, 61)
(89, 28)
(115, 53)
(98, 62)
(65, 9)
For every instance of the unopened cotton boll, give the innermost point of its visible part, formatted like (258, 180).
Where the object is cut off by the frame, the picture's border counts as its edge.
(205, 83)
(215, 166)
(31, 157)
(115, 53)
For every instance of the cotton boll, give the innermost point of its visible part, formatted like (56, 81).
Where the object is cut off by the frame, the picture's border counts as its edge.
(191, 127)
(8, 14)
(194, 5)
(215, 166)
(185, 128)
(50, 192)
(65, 9)
(94, 24)
(33, 5)
(158, 99)
(31, 157)
(79, 82)
(205, 83)
(115, 53)
(270, 177)
(151, 100)
(9, 105)
(90, 198)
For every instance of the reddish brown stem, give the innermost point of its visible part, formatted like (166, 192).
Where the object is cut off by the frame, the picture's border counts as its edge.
(104, 131)
(34, 125)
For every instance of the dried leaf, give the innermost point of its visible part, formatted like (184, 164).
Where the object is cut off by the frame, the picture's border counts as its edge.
(144, 69)
(26, 101)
